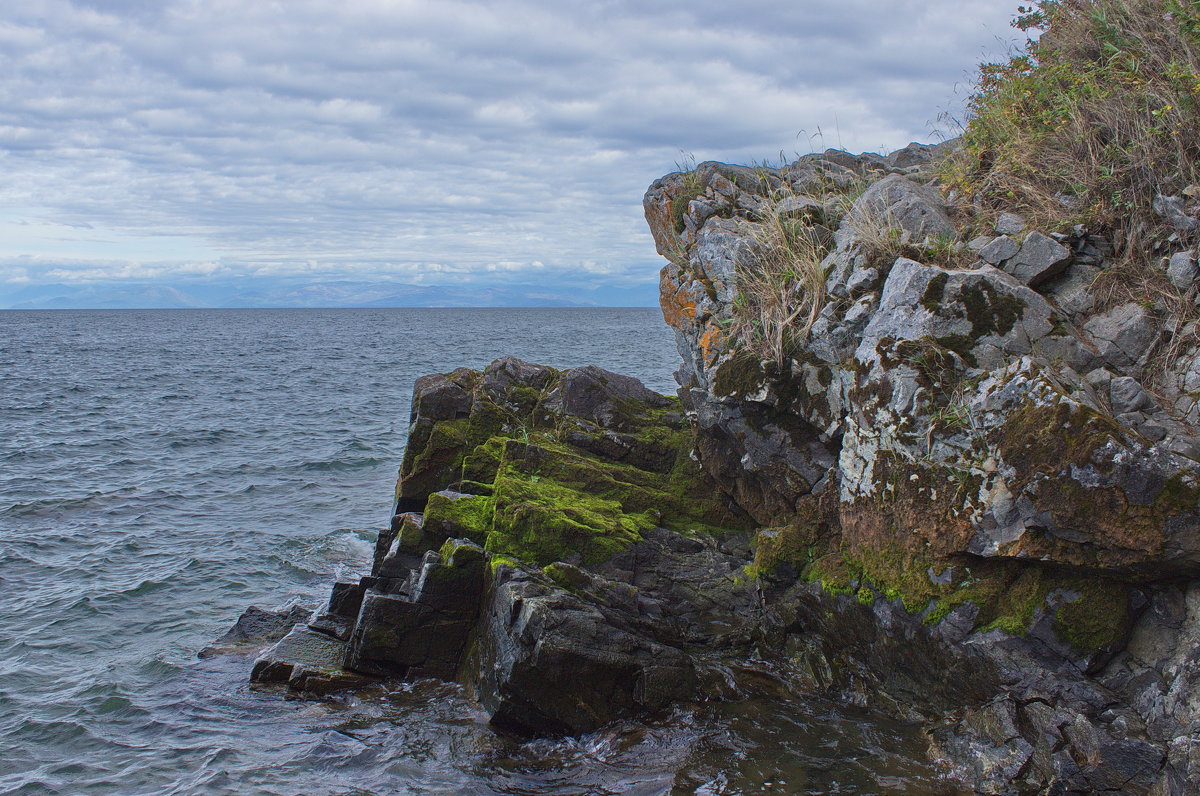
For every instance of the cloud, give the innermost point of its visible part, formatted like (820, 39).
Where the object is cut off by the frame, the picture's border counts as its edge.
(435, 138)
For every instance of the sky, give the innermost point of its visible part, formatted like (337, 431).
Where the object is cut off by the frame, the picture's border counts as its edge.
(264, 145)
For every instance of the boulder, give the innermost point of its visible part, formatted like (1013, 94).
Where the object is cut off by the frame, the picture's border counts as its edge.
(899, 203)
(1039, 260)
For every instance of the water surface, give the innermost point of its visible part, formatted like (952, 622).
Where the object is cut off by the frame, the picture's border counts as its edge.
(162, 470)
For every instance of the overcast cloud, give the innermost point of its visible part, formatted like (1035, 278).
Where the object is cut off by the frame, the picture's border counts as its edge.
(429, 141)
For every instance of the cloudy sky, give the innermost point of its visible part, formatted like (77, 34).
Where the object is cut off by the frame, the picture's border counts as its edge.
(428, 142)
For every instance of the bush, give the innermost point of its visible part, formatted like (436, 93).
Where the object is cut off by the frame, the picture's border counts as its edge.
(1087, 123)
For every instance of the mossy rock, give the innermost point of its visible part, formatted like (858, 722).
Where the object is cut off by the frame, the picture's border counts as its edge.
(456, 515)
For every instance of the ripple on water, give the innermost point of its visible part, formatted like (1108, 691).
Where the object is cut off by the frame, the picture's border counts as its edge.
(161, 471)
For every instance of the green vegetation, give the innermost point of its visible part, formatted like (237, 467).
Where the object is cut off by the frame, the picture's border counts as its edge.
(1089, 121)
(1091, 614)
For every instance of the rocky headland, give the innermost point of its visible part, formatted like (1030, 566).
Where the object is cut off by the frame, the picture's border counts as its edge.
(930, 454)
(967, 497)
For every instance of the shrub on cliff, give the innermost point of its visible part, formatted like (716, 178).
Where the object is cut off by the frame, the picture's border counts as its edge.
(1090, 121)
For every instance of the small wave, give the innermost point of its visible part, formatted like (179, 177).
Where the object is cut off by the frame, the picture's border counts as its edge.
(335, 465)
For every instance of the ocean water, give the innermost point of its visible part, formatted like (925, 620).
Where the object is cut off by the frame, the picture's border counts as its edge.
(160, 471)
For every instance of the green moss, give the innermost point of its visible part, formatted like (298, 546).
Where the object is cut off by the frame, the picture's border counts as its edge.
(467, 516)
(934, 293)
(740, 375)
(990, 311)
(1177, 496)
(865, 596)
(1049, 438)
(457, 553)
(1098, 619)
(542, 521)
(793, 545)
(566, 576)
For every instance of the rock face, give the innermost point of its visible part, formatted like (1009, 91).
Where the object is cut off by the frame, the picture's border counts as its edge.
(965, 491)
(514, 478)
(970, 437)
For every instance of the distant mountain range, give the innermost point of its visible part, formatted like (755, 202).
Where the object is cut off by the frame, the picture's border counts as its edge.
(321, 294)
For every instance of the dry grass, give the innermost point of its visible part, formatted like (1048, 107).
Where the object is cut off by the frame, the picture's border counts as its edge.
(1091, 121)
(781, 286)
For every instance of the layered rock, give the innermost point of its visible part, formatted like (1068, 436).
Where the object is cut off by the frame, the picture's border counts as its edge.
(968, 434)
(515, 478)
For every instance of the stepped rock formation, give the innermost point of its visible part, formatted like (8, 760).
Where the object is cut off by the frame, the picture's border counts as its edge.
(966, 496)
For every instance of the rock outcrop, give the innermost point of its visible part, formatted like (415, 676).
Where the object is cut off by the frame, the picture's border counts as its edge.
(554, 548)
(966, 492)
(973, 442)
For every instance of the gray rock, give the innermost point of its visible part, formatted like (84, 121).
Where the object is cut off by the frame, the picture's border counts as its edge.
(1010, 224)
(1171, 210)
(1182, 270)
(999, 250)
(1039, 260)
(1127, 395)
(977, 243)
(801, 207)
(898, 203)
(1124, 335)
(1073, 291)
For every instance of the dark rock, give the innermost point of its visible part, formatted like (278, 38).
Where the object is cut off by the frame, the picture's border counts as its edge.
(255, 628)
(539, 639)
(600, 396)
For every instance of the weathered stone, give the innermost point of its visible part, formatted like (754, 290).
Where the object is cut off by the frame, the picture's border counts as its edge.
(1182, 270)
(1039, 260)
(1128, 396)
(999, 249)
(1171, 210)
(896, 202)
(1124, 335)
(1010, 224)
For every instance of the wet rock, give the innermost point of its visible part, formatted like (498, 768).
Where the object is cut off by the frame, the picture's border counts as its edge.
(540, 638)
(299, 654)
(423, 632)
(255, 628)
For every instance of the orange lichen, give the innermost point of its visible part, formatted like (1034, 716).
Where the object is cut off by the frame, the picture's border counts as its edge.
(678, 306)
(712, 342)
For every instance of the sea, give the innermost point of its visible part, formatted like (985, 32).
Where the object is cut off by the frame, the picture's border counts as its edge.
(162, 470)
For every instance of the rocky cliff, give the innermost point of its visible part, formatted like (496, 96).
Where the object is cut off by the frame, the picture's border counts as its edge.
(965, 433)
(921, 460)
